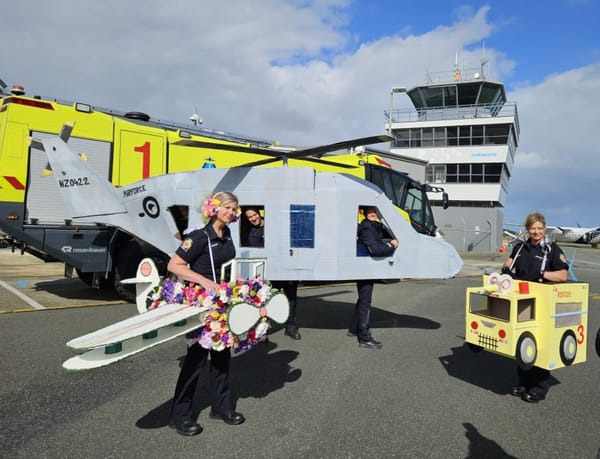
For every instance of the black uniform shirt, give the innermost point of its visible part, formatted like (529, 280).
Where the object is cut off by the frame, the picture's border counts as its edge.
(528, 263)
(371, 234)
(256, 236)
(194, 250)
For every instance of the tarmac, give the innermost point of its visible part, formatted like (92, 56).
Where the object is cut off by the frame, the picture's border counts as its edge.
(424, 395)
(29, 283)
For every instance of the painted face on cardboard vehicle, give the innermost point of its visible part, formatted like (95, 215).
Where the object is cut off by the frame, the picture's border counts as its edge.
(537, 232)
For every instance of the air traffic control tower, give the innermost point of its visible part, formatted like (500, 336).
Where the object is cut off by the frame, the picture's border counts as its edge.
(467, 131)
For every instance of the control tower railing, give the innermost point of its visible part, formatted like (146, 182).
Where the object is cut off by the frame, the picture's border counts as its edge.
(460, 112)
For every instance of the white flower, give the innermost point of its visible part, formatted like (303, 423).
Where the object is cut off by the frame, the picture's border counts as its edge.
(223, 296)
(262, 328)
(178, 288)
(264, 293)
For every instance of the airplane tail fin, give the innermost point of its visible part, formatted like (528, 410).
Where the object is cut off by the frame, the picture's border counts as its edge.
(145, 280)
(84, 192)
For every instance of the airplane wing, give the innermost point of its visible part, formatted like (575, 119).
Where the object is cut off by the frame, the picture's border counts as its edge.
(108, 353)
(137, 325)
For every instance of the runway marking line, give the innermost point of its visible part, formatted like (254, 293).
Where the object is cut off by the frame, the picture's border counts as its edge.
(30, 301)
(52, 308)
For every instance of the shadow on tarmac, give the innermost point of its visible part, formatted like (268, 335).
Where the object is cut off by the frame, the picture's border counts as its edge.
(247, 377)
(480, 446)
(321, 313)
(483, 369)
(74, 289)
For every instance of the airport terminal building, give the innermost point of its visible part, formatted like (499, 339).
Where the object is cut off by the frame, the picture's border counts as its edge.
(464, 129)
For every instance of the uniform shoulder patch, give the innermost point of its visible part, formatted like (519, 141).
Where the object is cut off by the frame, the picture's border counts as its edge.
(563, 258)
(186, 244)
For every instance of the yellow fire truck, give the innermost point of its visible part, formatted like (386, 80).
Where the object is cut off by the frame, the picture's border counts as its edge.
(127, 147)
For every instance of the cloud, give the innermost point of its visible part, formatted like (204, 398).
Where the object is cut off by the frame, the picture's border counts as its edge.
(282, 70)
(294, 71)
(555, 165)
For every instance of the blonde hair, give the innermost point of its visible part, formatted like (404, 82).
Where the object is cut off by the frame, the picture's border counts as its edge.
(534, 217)
(210, 206)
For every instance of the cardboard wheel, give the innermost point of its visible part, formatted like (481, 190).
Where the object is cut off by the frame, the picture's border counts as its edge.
(526, 352)
(568, 347)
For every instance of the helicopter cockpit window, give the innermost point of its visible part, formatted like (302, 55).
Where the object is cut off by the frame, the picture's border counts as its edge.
(361, 249)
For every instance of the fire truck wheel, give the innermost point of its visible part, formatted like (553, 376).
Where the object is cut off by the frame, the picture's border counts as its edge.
(598, 343)
(474, 348)
(88, 279)
(125, 267)
(526, 351)
(568, 347)
(160, 261)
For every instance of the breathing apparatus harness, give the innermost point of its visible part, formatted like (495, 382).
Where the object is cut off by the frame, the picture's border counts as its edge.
(546, 246)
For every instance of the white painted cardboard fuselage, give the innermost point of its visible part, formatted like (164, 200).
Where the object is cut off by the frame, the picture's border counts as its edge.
(141, 210)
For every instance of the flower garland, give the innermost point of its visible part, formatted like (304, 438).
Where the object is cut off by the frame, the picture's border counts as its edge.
(210, 208)
(215, 333)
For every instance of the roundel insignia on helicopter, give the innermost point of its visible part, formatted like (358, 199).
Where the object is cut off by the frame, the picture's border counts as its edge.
(151, 207)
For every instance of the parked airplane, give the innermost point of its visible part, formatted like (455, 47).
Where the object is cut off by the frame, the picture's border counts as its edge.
(594, 237)
(568, 233)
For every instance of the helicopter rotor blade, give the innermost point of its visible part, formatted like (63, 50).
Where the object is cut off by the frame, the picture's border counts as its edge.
(276, 153)
(227, 147)
(314, 160)
(260, 163)
(345, 144)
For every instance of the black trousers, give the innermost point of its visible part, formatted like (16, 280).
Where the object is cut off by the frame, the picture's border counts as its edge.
(536, 379)
(290, 289)
(359, 324)
(187, 383)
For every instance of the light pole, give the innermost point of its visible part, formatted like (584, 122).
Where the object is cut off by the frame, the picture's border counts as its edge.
(395, 89)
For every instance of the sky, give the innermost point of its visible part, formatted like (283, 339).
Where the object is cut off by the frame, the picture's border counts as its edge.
(309, 72)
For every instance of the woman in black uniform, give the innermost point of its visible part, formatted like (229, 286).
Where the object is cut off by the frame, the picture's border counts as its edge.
(537, 260)
(256, 238)
(199, 260)
(373, 234)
